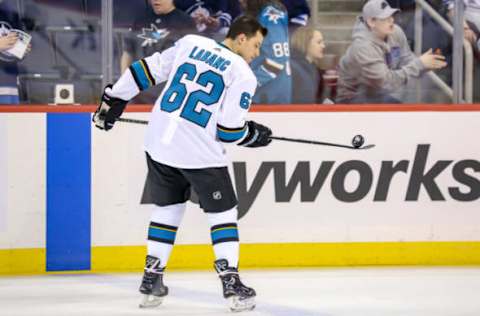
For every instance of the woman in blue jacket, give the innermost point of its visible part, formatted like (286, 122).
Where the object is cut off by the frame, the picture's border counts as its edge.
(307, 46)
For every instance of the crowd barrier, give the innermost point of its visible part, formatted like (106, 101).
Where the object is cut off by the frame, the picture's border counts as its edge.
(69, 193)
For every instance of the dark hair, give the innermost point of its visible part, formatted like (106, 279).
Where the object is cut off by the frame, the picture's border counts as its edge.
(246, 24)
(253, 7)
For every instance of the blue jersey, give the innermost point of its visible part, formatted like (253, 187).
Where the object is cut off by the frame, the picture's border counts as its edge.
(272, 67)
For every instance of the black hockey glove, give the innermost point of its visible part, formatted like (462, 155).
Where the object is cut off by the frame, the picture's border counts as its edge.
(108, 111)
(258, 135)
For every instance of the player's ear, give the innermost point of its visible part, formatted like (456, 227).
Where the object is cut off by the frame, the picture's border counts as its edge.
(241, 38)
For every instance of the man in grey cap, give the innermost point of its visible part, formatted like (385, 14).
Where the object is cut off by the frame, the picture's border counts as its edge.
(379, 60)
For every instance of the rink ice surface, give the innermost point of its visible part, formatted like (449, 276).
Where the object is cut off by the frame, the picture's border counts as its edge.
(425, 291)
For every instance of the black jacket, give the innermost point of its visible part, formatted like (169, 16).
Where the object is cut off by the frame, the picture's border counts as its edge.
(306, 80)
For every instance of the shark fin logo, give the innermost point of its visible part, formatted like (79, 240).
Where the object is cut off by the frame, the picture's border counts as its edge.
(152, 35)
(274, 15)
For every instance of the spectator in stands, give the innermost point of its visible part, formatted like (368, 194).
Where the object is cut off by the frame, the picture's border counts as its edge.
(472, 20)
(298, 13)
(212, 17)
(307, 46)
(441, 42)
(272, 67)
(9, 20)
(472, 34)
(155, 30)
(379, 61)
(406, 20)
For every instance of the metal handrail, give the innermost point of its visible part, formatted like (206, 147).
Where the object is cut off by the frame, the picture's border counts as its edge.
(468, 89)
(313, 11)
(107, 42)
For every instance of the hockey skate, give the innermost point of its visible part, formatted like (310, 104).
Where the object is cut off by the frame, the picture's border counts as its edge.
(240, 297)
(152, 286)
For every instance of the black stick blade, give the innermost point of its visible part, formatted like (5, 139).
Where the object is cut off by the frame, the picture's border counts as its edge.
(367, 146)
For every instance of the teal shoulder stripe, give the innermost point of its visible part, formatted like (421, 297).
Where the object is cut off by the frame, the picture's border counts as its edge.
(141, 75)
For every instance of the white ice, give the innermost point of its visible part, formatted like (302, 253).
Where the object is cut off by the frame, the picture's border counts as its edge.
(324, 292)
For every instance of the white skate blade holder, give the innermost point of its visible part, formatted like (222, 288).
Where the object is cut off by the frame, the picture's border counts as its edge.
(238, 304)
(150, 301)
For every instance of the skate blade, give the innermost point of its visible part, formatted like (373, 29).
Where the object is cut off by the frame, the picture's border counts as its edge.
(238, 304)
(150, 301)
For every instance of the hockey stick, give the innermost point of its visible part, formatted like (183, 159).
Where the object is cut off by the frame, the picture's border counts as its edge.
(314, 142)
(134, 121)
(304, 141)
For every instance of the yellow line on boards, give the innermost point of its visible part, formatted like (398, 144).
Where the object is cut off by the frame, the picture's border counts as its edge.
(22, 261)
(195, 257)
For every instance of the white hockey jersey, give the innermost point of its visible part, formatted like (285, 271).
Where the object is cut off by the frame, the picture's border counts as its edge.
(203, 105)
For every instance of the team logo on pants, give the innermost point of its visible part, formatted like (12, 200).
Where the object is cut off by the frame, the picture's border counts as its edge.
(217, 195)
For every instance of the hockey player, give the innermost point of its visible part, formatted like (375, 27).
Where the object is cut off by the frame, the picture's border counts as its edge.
(272, 68)
(206, 98)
